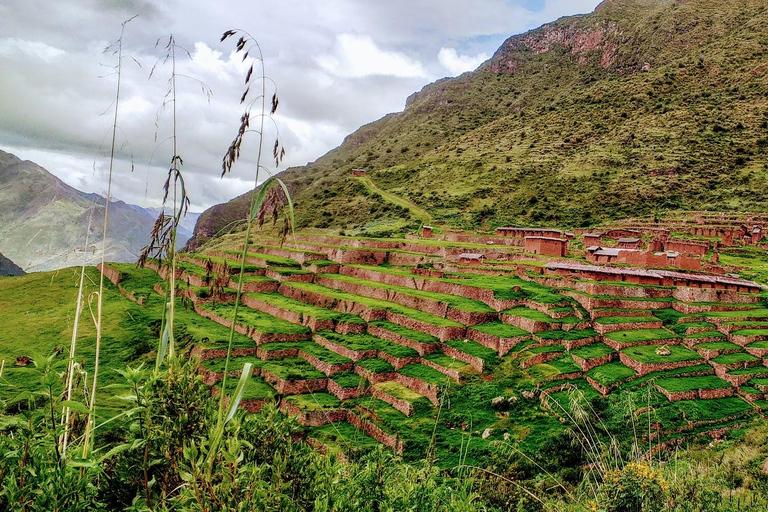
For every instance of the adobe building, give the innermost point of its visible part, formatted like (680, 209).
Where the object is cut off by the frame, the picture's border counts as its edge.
(592, 239)
(524, 232)
(426, 231)
(687, 247)
(621, 233)
(757, 234)
(546, 245)
(628, 243)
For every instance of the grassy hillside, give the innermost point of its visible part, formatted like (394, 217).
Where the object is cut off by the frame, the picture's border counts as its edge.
(643, 104)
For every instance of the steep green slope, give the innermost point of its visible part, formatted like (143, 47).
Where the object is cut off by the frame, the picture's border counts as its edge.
(642, 104)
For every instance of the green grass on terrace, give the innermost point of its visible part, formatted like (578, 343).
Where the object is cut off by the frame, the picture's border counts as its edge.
(687, 371)
(736, 357)
(447, 362)
(405, 332)
(305, 309)
(292, 368)
(751, 332)
(708, 334)
(538, 316)
(262, 322)
(375, 365)
(567, 335)
(347, 380)
(322, 353)
(611, 373)
(592, 351)
(612, 320)
(474, 349)
(255, 388)
(397, 390)
(501, 330)
(682, 384)
(138, 280)
(679, 414)
(454, 301)
(681, 328)
(343, 437)
(750, 313)
(565, 364)
(314, 401)
(751, 325)
(235, 363)
(425, 373)
(278, 261)
(718, 345)
(759, 344)
(503, 287)
(755, 370)
(256, 247)
(647, 354)
(363, 342)
(636, 335)
(233, 264)
(376, 304)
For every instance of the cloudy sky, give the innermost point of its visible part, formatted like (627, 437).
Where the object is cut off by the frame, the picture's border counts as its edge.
(338, 64)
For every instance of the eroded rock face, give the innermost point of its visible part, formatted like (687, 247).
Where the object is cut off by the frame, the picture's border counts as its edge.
(582, 42)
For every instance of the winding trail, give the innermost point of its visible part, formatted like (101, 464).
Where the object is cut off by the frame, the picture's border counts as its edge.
(415, 210)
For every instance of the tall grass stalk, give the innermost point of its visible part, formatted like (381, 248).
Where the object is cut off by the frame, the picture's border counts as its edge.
(92, 406)
(73, 343)
(257, 204)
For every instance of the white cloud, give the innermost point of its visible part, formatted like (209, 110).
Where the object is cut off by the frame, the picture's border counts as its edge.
(11, 46)
(458, 64)
(358, 56)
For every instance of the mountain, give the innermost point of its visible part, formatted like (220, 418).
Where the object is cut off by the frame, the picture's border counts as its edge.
(9, 268)
(639, 106)
(186, 226)
(43, 221)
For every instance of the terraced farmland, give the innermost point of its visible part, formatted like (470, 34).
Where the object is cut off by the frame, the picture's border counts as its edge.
(395, 342)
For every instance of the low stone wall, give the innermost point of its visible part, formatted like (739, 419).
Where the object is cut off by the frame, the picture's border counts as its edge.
(693, 309)
(397, 362)
(421, 348)
(757, 352)
(354, 355)
(686, 294)
(443, 333)
(327, 368)
(588, 364)
(574, 344)
(702, 394)
(540, 359)
(293, 387)
(346, 393)
(258, 336)
(618, 345)
(376, 432)
(500, 345)
(708, 354)
(255, 286)
(266, 355)
(601, 314)
(646, 368)
(325, 301)
(204, 354)
(404, 406)
(601, 328)
(744, 340)
(527, 324)
(312, 418)
(421, 387)
(448, 372)
(277, 276)
(371, 377)
(288, 315)
(600, 388)
(475, 362)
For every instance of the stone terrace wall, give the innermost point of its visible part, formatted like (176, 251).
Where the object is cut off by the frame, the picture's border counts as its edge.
(588, 364)
(421, 387)
(646, 368)
(713, 295)
(258, 336)
(293, 387)
(312, 418)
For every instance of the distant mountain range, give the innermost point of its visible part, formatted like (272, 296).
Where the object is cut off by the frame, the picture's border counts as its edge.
(43, 221)
(640, 106)
(9, 268)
